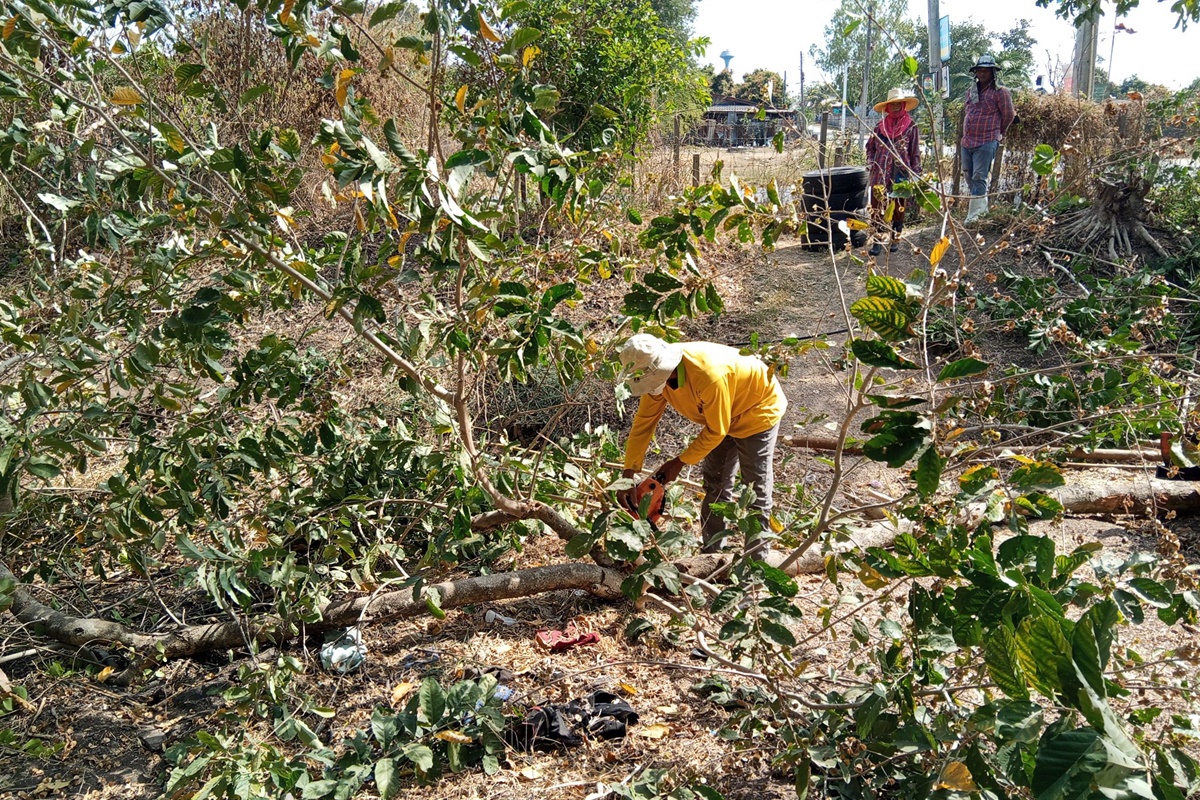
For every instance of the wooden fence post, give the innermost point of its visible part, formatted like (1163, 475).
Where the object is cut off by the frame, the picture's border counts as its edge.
(994, 180)
(824, 133)
(839, 156)
(956, 183)
(676, 159)
(695, 169)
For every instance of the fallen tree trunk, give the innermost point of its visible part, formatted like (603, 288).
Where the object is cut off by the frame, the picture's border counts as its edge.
(382, 607)
(1145, 455)
(1115, 492)
(879, 534)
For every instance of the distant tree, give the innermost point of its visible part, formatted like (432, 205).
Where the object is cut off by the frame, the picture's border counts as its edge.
(1016, 55)
(1080, 10)
(722, 83)
(676, 16)
(755, 86)
(1103, 87)
(1194, 86)
(1135, 84)
(845, 46)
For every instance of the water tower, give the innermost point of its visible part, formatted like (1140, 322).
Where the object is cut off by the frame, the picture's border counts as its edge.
(726, 56)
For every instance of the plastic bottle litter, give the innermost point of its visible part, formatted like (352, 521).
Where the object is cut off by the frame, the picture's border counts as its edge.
(345, 653)
(492, 617)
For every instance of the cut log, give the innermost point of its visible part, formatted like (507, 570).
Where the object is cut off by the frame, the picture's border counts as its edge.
(1111, 491)
(383, 607)
(879, 534)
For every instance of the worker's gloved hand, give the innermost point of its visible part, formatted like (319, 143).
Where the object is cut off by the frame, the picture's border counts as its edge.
(670, 470)
(626, 496)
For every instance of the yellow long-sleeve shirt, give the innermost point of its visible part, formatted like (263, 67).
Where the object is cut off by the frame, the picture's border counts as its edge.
(726, 392)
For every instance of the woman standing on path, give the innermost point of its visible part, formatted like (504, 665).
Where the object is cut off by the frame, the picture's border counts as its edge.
(893, 154)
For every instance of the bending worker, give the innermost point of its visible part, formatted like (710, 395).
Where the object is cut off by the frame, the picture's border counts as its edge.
(739, 403)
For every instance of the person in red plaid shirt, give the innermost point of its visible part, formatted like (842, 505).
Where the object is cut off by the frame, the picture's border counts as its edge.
(989, 113)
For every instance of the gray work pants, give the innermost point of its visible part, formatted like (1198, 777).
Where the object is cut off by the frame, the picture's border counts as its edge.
(756, 454)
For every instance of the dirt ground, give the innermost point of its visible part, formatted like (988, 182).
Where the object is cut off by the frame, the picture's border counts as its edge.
(112, 738)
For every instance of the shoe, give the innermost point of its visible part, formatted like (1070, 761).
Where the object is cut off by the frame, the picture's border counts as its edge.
(893, 247)
(977, 208)
(875, 250)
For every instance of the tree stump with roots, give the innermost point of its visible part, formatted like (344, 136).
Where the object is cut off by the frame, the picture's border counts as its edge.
(1114, 221)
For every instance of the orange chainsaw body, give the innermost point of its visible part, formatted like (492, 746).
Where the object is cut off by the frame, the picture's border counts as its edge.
(654, 487)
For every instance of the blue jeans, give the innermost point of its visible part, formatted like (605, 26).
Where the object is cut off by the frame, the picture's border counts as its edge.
(977, 165)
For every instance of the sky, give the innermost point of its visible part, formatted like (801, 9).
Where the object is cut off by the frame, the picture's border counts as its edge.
(771, 34)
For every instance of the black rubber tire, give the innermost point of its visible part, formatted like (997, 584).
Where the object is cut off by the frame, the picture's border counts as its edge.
(835, 180)
(845, 201)
(821, 227)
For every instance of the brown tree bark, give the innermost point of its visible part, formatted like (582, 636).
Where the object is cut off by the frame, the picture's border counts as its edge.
(383, 607)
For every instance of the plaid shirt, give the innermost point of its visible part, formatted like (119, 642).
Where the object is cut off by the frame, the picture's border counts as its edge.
(989, 113)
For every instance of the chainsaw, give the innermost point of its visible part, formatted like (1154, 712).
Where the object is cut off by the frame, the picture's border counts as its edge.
(655, 488)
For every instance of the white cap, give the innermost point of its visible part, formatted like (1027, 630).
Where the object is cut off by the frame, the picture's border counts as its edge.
(647, 362)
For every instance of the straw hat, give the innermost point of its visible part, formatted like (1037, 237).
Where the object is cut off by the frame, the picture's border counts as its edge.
(647, 362)
(896, 96)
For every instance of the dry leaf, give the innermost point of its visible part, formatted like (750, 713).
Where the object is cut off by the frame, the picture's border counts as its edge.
(627, 688)
(126, 96)
(530, 774)
(939, 250)
(667, 711)
(957, 778)
(857, 225)
(402, 691)
(454, 737)
(285, 16)
(486, 31)
(529, 54)
(343, 83)
(387, 59)
(657, 731)
(105, 674)
(460, 99)
(10, 26)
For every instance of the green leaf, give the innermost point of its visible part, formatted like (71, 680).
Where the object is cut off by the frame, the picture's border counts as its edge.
(1065, 764)
(420, 755)
(522, 37)
(1085, 652)
(1038, 475)
(252, 94)
(186, 73)
(928, 473)
(467, 157)
(580, 546)
(63, 204)
(432, 701)
(779, 634)
(910, 66)
(385, 12)
(1151, 592)
(385, 778)
(978, 479)
(1000, 655)
(1043, 653)
(962, 368)
(1018, 720)
(779, 582)
(42, 468)
(633, 216)
(886, 286)
(877, 353)
(887, 317)
(852, 27)
(1044, 159)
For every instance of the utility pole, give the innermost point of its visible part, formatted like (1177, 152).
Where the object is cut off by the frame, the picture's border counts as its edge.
(935, 44)
(802, 81)
(866, 82)
(1086, 38)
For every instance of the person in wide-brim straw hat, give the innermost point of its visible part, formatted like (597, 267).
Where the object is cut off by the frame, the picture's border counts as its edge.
(897, 96)
(893, 155)
(737, 401)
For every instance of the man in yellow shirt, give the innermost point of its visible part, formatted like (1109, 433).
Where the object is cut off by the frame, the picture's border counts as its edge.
(735, 398)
